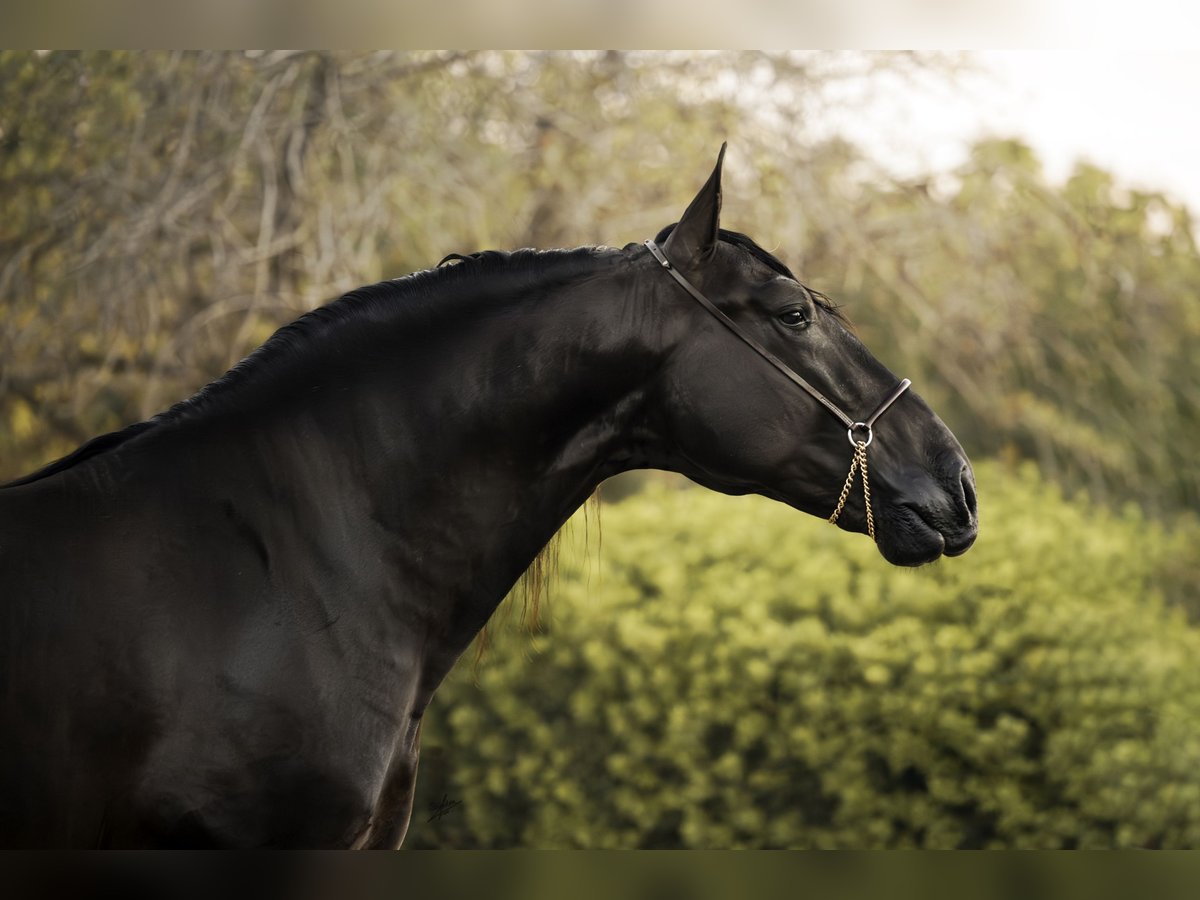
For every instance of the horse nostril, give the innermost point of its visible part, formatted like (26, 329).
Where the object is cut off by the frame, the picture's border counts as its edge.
(967, 480)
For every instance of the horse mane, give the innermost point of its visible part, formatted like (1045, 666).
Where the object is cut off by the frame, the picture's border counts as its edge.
(413, 297)
(408, 300)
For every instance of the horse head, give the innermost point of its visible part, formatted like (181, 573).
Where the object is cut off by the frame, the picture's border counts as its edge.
(766, 390)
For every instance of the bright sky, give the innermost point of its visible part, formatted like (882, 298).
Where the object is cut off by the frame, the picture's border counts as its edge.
(1134, 113)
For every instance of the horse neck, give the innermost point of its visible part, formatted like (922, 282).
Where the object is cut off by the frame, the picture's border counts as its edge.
(470, 443)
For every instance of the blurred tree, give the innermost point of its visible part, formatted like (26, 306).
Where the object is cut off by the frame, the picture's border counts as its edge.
(165, 212)
(1052, 323)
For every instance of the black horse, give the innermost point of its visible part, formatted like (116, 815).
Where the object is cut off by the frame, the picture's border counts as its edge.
(221, 627)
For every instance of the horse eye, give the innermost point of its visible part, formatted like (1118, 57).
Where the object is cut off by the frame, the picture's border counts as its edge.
(794, 318)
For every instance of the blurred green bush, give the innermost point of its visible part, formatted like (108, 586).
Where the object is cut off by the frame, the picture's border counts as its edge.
(729, 673)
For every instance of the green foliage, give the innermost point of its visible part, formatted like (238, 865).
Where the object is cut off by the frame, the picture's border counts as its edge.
(730, 673)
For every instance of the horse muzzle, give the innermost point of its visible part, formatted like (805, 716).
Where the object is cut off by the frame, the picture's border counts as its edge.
(932, 517)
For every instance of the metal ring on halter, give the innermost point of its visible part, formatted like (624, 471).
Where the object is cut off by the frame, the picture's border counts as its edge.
(870, 433)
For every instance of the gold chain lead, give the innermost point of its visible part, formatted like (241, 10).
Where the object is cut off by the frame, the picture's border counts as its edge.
(859, 462)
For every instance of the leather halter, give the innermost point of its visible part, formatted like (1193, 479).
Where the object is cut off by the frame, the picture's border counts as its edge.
(864, 428)
(779, 364)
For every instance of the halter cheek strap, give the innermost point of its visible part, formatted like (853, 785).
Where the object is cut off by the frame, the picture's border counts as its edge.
(860, 433)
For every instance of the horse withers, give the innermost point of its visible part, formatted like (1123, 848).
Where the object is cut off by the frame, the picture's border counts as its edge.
(222, 626)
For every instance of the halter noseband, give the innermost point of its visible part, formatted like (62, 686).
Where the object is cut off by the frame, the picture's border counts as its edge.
(864, 429)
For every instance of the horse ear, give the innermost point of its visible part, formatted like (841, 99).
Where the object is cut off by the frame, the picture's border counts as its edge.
(695, 237)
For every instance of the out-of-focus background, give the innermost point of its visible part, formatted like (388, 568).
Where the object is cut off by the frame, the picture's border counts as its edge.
(1011, 231)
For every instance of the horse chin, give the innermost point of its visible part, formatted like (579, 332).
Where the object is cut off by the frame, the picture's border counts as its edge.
(905, 539)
